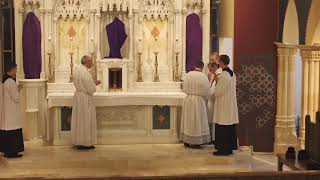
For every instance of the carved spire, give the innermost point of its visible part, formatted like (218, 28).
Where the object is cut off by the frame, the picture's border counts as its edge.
(73, 9)
(154, 9)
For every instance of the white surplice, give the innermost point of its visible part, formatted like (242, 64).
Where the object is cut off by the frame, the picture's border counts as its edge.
(84, 122)
(194, 121)
(11, 115)
(225, 107)
(211, 104)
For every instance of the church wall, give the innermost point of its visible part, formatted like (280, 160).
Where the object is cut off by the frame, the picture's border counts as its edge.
(256, 28)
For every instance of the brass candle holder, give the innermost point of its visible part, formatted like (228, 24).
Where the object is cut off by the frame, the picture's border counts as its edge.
(177, 77)
(71, 67)
(156, 75)
(139, 69)
(51, 70)
(94, 68)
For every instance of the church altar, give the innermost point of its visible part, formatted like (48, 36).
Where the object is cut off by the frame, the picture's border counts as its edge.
(139, 49)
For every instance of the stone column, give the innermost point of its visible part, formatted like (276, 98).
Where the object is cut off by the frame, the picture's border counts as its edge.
(98, 41)
(34, 108)
(184, 45)
(43, 40)
(206, 32)
(19, 20)
(130, 75)
(310, 90)
(285, 119)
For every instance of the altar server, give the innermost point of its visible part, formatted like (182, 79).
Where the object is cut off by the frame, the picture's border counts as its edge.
(225, 113)
(194, 120)
(11, 138)
(83, 122)
(214, 58)
(213, 69)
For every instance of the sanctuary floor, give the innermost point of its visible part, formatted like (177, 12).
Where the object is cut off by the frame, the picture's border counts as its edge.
(129, 160)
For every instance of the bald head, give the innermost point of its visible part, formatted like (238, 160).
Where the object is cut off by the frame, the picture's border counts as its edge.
(86, 60)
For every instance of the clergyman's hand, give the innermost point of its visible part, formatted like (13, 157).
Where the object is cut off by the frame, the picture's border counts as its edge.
(215, 76)
(210, 76)
(19, 87)
(97, 82)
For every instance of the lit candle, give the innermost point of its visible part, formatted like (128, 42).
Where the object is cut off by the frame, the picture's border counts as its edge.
(176, 47)
(92, 49)
(140, 48)
(71, 45)
(156, 44)
(50, 49)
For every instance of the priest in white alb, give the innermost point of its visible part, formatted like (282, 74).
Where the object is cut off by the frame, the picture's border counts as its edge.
(194, 121)
(84, 122)
(225, 112)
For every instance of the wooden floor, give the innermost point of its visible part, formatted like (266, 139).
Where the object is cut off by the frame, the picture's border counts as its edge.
(128, 160)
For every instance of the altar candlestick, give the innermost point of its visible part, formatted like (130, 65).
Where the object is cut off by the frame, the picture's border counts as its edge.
(140, 47)
(92, 51)
(71, 45)
(71, 67)
(156, 75)
(176, 47)
(139, 69)
(177, 52)
(50, 66)
(49, 51)
(156, 45)
(92, 48)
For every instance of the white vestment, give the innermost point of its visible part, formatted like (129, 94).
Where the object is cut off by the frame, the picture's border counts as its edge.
(211, 104)
(11, 106)
(225, 107)
(194, 121)
(84, 122)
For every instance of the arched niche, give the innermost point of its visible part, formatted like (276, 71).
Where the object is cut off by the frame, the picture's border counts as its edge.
(313, 23)
(70, 19)
(157, 20)
(109, 10)
(291, 25)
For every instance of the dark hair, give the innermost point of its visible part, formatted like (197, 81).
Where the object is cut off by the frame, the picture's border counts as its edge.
(200, 64)
(213, 64)
(225, 59)
(11, 66)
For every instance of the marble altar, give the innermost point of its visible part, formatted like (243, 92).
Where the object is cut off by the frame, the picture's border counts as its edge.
(142, 109)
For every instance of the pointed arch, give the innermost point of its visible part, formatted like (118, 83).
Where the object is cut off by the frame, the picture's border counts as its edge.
(313, 26)
(291, 25)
